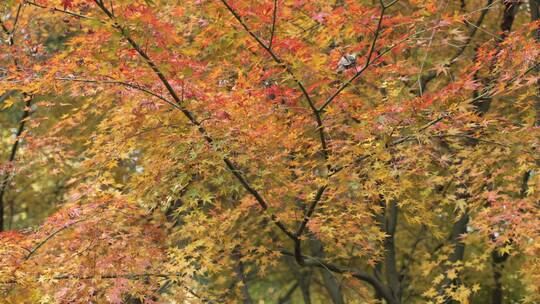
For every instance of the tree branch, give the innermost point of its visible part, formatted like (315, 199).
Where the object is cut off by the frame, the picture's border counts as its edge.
(5, 178)
(311, 103)
(230, 165)
(32, 251)
(54, 9)
(427, 78)
(239, 269)
(310, 211)
(362, 276)
(274, 18)
(288, 294)
(123, 83)
(392, 274)
(368, 58)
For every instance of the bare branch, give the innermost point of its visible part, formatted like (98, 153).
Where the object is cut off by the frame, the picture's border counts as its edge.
(19, 8)
(274, 18)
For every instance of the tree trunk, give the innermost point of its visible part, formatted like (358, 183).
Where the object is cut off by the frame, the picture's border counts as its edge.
(330, 283)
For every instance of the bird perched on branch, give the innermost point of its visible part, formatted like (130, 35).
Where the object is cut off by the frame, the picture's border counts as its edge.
(346, 62)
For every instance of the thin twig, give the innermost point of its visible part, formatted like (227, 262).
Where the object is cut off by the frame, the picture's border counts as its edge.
(425, 79)
(54, 9)
(19, 8)
(32, 251)
(274, 18)
(366, 64)
(123, 83)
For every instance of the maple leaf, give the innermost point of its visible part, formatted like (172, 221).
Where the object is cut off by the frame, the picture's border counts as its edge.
(67, 3)
(451, 274)
(442, 68)
(320, 17)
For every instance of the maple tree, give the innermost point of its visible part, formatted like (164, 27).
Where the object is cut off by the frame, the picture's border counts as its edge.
(289, 151)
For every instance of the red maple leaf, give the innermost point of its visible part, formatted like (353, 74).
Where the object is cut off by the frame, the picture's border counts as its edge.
(67, 4)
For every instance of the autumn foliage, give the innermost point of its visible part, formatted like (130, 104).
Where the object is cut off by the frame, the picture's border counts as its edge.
(269, 151)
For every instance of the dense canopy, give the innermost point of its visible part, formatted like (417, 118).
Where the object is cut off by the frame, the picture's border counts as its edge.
(269, 151)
